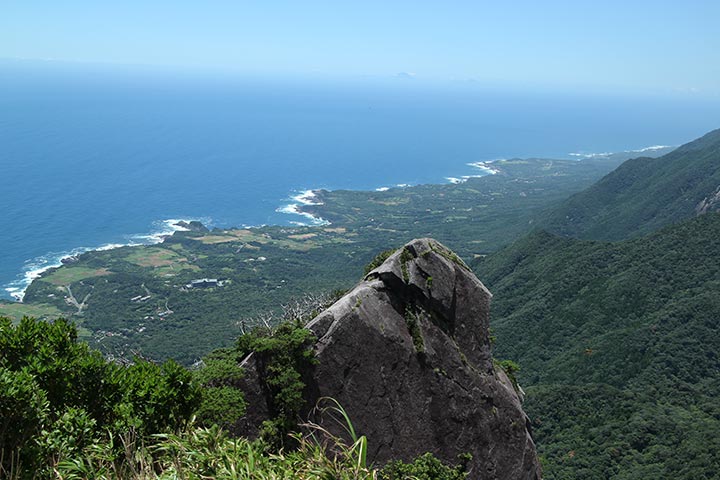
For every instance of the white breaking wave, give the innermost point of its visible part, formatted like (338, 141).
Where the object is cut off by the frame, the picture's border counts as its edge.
(651, 148)
(590, 155)
(399, 185)
(165, 228)
(306, 197)
(485, 167)
(35, 267)
(463, 179)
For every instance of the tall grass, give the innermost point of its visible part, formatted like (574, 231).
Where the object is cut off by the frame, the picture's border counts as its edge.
(209, 453)
(199, 453)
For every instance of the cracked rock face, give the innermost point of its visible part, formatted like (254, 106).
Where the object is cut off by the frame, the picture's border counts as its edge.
(709, 203)
(407, 354)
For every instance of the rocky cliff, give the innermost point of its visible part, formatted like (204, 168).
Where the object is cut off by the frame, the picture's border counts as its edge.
(407, 354)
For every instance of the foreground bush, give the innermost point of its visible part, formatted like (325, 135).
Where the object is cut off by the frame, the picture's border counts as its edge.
(66, 413)
(59, 397)
(202, 453)
(208, 453)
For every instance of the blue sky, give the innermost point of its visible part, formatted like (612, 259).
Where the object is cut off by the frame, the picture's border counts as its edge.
(636, 46)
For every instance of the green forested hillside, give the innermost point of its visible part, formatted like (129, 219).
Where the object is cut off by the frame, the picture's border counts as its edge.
(475, 217)
(645, 194)
(136, 299)
(618, 345)
(617, 342)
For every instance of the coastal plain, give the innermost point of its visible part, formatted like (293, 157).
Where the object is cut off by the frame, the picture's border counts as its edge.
(142, 300)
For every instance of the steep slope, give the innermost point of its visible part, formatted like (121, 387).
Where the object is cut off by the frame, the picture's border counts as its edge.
(618, 345)
(265, 267)
(645, 194)
(407, 354)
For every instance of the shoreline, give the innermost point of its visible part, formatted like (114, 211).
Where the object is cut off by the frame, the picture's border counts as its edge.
(483, 166)
(306, 197)
(651, 148)
(16, 289)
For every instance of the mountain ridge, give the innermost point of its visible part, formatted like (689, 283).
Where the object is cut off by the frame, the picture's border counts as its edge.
(618, 345)
(644, 194)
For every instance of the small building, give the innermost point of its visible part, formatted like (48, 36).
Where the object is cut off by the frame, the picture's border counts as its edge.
(203, 283)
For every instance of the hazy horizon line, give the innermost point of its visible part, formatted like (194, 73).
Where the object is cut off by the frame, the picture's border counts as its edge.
(399, 78)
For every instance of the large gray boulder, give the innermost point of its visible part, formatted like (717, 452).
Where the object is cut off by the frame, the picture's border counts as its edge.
(407, 354)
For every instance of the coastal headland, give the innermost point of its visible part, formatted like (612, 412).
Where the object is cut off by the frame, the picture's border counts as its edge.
(136, 299)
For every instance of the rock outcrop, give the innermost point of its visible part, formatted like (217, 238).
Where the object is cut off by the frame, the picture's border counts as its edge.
(709, 203)
(407, 354)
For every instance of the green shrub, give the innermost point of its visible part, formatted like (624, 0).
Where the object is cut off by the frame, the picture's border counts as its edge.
(281, 355)
(510, 368)
(426, 467)
(23, 412)
(222, 406)
(222, 401)
(405, 257)
(157, 398)
(69, 436)
(378, 260)
(59, 397)
(412, 320)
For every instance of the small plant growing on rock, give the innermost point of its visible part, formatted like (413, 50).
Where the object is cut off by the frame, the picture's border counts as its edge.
(510, 368)
(378, 260)
(283, 354)
(405, 257)
(412, 319)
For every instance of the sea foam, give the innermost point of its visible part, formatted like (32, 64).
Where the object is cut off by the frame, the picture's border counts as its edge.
(306, 197)
(651, 148)
(485, 167)
(34, 268)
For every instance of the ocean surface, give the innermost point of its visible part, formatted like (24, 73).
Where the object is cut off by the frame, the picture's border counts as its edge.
(98, 158)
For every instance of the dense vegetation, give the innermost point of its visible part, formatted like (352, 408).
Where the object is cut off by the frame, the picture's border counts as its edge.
(617, 341)
(282, 355)
(59, 398)
(65, 412)
(134, 299)
(219, 375)
(476, 217)
(619, 345)
(645, 194)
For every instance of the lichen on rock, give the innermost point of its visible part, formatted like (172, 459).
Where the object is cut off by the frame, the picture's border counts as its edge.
(407, 353)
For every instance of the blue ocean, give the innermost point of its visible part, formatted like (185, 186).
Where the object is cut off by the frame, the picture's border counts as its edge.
(96, 157)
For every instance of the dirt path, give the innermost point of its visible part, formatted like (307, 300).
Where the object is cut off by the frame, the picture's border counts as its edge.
(73, 301)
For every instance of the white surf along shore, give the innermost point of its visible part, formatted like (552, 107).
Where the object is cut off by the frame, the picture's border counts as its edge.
(485, 168)
(306, 197)
(34, 268)
(652, 148)
(37, 266)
